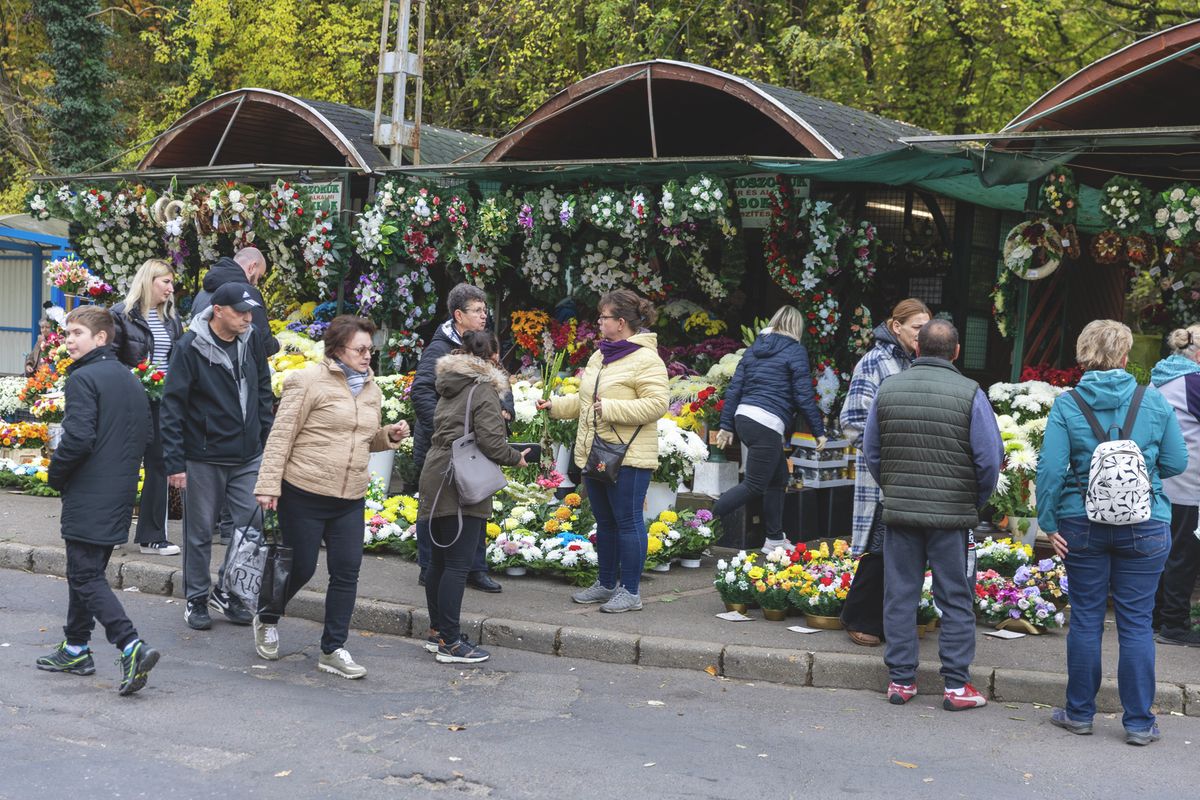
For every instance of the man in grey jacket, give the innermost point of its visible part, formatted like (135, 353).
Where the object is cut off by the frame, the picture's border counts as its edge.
(932, 444)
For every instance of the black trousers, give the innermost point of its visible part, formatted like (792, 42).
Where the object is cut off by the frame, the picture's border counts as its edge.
(152, 507)
(446, 578)
(766, 475)
(306, 520)
(1173, 604)
(863, 609)
(90, 597)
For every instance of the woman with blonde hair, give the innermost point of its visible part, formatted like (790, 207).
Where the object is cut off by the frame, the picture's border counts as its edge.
(147, 328)
(772, 382)
(894, 349)
(1177, 377)
(1124, 560)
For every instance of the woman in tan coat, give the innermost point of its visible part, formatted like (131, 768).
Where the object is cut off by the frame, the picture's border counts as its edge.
(314, 470)
(467, 375)
(622, 395)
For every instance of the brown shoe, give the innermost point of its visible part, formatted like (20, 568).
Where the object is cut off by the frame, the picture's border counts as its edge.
(865, 639)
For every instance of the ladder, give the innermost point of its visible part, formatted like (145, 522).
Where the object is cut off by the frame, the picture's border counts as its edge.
(397, 65)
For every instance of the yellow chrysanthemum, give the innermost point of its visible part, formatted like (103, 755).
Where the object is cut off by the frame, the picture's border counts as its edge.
(658, 529)
(653, 545)
(756, 573)
(572, 500)
(562, 513)
(552, 526)
(669, 517)
(493, 530)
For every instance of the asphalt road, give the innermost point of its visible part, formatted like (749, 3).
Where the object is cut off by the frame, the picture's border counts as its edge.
(217, 722)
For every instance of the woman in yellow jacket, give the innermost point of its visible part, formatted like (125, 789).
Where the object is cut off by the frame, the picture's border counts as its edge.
(622, 395)
(314, 470)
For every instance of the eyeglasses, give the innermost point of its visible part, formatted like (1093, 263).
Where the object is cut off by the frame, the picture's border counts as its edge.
(363, 351)
(602, 317)
(479, 312)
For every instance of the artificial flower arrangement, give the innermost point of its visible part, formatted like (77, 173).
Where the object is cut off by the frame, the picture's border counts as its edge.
(72, 277)
(152, 379)
(1126, 203)
(679, 452)
(862, 246)
(862, 330)
(1002, 556)
(999, 600)
(822, 316)
(733, 579)
(389, 523)
(296, 351)
(404, 348)
(1033, 249)
(1108, 247)
(396, 391)
(482, 253)
(1059, 195)
(576, 338)
(10, 394)
(571, 555)
(514, 549)
(49, 407)
(24, 434)
(45, 379)
(528, 327)
(1177, 213)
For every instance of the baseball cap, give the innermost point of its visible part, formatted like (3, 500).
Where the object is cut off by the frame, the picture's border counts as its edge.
(238, 296)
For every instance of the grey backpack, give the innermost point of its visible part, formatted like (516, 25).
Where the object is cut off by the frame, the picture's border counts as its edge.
(1119, 491)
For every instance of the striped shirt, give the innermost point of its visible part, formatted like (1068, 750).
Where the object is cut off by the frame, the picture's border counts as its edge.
(162, 340)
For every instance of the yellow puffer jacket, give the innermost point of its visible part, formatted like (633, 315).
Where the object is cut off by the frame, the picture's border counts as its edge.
(633, 392)
(323, 435)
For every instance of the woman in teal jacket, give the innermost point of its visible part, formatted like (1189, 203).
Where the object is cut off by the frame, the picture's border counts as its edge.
(1125, 560)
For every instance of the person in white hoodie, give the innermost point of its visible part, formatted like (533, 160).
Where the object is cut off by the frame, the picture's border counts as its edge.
(1177, 378)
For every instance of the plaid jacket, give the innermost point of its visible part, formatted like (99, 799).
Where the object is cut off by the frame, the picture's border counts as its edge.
(886, 358)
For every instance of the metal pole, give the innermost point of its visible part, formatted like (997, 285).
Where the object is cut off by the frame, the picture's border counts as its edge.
(383, 42)
(228, 127)
(650, 110)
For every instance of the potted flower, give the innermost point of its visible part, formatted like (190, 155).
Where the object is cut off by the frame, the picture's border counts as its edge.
(679, 452)
(824, 584)
(772, 592)
(1002, 556)
(1009, 606)
(699, 532)
(514, 552)
(733, 582)
(928, 613)
(572, 556)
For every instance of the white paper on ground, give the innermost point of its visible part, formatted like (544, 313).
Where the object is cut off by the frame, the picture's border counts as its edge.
(733, 616)
(1005, 634)
(802, 629)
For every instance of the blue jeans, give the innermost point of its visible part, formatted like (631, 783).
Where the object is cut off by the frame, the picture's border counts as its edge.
(620, 526)
(1126, 560)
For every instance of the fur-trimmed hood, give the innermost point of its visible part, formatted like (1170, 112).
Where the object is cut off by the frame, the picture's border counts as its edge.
(458, 371)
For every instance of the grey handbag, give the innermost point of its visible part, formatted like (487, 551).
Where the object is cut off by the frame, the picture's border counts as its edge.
(476, 477)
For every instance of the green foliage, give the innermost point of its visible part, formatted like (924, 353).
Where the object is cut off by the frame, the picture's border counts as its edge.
(80, 110)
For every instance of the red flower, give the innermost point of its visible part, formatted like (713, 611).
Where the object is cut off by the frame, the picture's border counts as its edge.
(157, 376)
(826, 580)
(299, 212)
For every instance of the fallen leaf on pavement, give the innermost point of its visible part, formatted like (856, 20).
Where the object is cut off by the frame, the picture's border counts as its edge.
(131, 589)
(1017, 719)
(283, 774)
(1027, 775)
(1041, 705)
(711, 670)
(1011, 705)
(904, 764)
(740, 746)
(456, 727)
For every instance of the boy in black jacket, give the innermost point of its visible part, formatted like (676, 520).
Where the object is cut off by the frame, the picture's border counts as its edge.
(95, 467)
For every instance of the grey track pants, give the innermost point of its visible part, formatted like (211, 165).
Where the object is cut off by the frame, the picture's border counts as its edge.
(209, 487)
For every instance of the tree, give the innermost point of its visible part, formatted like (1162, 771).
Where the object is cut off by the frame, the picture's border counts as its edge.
(80, 111)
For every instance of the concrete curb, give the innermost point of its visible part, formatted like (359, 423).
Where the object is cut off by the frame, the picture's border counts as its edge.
(741, 662)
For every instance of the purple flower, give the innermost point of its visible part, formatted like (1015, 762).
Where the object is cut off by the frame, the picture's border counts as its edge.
(1022, 575)
(1014, 613)
(525, 217)
(704, 515)
(1046, 564)
(1062, 584)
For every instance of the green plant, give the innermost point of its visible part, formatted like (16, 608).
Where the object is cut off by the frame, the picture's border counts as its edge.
(749, 334)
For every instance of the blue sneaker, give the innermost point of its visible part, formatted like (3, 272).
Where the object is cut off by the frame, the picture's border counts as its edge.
(1143, 738)
(1059, 719)
(62, 661)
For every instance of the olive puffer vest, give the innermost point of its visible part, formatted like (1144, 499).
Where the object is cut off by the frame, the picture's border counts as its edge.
(927, 468)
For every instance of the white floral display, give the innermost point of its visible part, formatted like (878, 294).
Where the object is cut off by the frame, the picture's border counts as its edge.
(10, 389)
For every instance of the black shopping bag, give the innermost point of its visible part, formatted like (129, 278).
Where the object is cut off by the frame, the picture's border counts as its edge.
(273, 596)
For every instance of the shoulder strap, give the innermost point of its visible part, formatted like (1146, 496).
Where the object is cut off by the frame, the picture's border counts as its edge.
(595, 424)
(1089, 415)
(467, 413)
(1134, 405)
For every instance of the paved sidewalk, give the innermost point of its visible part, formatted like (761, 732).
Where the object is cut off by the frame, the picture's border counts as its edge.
(678, 627)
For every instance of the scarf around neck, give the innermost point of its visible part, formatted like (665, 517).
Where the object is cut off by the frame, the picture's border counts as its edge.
(614, 351)
(355, 379)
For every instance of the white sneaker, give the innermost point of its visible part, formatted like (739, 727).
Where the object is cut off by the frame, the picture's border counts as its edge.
(266, 640)
(770, 544)
(339, 662)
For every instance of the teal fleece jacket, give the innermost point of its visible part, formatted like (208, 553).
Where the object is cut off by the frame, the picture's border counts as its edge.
(1066, 456)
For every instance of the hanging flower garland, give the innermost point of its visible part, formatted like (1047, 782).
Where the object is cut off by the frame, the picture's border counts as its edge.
(1059, 195)
(413, 299)
(707, 197)
(547, 219)
(117, 234)
(404, 347)
(482, 254)
(822, 315)
(368, 294)
(819, 230)
(322, 250)
(627, 214)
(778, 239)
(862, 245)
(1126, 203)
(862, 331)
(688, 237)
(1108, 247)
(1004, 302)
(605, 266)
(1177, 214)
(1033, 249)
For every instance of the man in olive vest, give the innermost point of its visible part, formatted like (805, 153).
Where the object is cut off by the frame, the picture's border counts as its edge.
(932, 444)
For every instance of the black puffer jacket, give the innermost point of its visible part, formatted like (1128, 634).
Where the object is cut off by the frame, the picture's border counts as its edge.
(424, 390)
(774, 375)
(95, 466)
(226, 270)
(206, 414)
(133, 341)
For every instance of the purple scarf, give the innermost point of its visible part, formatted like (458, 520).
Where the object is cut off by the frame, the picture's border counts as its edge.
(614, 351)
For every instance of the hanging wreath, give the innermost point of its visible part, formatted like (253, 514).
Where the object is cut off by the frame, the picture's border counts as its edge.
(1177, 214)
(822, 316)
(1141, 251)
(1059, 195)
(1108, 247)
(820, 230)
(413, 299)
(1126, 204)
(1033, 249)
(862, 244)
(482, 254)
(862, 331)
(778, 239)
(1004, 303)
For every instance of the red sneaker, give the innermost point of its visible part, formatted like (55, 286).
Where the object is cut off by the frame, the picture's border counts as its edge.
(962, 699)
(900, 693)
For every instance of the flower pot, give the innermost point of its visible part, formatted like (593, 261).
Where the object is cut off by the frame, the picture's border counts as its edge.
(661, 567)
(690, 561)
(1020, 626)
(775, 614)
(741, 608)
(824, 623)
(562, 462)
(1023, 529)
(659, 497)
(514, 572)
(381, 464)
(715, 454)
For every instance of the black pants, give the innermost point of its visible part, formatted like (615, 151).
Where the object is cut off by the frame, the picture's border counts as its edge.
(1172, 607)
(446, 579)
(307, 519)
(91, 598)
(152, 507)
(863, 610)
(766, 474)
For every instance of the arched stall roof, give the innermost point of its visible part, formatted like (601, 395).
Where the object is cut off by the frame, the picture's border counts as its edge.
(696, 111)
(270, 127)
